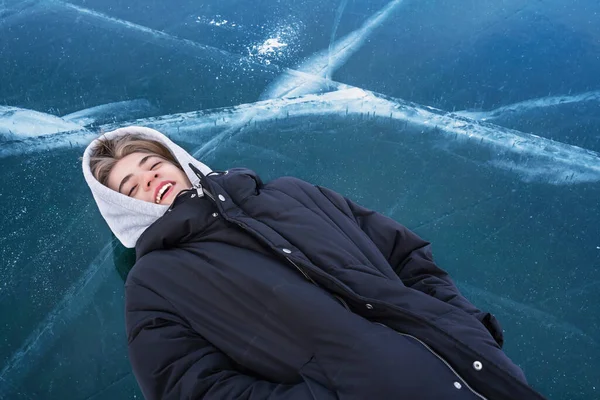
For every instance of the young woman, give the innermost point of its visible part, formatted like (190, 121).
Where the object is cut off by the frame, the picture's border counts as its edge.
(282, 290)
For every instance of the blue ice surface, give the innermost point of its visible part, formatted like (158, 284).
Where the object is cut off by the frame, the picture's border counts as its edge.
(520, 243)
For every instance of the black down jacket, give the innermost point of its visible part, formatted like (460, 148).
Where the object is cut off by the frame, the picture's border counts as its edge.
(287, 290)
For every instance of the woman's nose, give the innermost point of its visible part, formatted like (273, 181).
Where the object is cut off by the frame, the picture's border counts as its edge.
(148, 178)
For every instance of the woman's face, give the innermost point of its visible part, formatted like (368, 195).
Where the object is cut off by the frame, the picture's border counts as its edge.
(148, 177)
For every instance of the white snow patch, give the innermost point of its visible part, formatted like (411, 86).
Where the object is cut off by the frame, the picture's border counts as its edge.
(270, 46)
(19, 123)
(278, 44)
(218, 21)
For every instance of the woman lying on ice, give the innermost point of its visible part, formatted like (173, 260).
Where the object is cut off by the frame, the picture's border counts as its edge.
(283, 290)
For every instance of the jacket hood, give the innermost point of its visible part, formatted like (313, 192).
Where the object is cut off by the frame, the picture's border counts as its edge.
(127, 217)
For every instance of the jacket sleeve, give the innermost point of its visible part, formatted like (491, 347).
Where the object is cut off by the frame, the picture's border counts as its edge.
(411, 258)
(171, 361)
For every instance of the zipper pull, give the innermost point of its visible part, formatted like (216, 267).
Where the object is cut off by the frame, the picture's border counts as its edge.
(201, 190)
(198, 187)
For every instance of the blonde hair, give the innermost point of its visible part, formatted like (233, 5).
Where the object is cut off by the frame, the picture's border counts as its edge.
(110, 151)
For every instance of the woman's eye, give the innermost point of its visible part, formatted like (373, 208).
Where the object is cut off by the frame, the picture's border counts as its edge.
(152, 167)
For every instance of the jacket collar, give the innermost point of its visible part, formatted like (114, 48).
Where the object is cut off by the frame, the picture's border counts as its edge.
(189, 214)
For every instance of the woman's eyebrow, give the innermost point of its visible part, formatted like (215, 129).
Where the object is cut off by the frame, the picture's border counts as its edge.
(140, 164)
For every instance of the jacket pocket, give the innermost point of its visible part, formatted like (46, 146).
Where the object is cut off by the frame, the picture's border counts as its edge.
(316, 381)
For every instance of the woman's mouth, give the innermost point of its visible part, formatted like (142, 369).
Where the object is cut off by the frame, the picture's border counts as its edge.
(164, 191)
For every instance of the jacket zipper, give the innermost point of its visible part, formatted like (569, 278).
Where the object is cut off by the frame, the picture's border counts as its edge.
(439, 358)
(302, 271)
(197, 187)
(447, 365)
(315, 283)
(200, 189)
